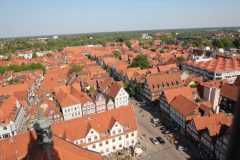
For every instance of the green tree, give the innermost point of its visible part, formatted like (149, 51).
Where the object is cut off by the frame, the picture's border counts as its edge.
(126, 85)
(150, 42)
(49, 55)
(236, 43)
(128, 43)
(141, 61)
(34, 55)
(117, 54)
(24, 67)
(181, 59)
(217, 43)
(74, 69)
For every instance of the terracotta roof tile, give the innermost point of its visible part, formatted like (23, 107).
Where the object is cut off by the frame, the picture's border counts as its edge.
(99, 122)
(184, 106)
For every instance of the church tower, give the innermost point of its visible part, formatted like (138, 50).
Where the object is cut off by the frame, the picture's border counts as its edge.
(43, 131)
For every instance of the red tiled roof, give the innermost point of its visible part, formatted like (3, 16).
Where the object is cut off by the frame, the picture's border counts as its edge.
(187, 92)
(113, 90)
(99, 122)
(217, 65)
(8, 109)
(24, 146)
(184, 106)
(230, 91)
(164, 68)
(207, 121)
(159, 82)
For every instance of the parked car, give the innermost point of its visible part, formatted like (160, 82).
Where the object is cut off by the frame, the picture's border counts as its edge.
(155, 120)
(181, 148)
(160, 140)
(163, 128)
(154, 140)
(166, 132)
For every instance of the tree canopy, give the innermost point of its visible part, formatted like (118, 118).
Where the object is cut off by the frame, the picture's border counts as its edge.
(141, 61)
(225, 42)
(117, 54)
(181, 59)
(24, 67)
(74, 69)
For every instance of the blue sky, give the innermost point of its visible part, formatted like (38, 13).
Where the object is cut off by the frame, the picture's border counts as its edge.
(43, 17)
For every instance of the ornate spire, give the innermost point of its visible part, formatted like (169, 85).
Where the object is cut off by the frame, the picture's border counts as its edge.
(40, 115)
(43, 130)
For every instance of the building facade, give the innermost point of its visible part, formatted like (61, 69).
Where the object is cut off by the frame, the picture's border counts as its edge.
(105, 133)
(11, 116)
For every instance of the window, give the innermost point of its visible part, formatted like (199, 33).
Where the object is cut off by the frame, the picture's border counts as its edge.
(95, 138)
(120, 146)
(120, 138)
(100, 144)
(89, 139)
(119, 131)
(113, 140)
(106, 142)
(114, 147)
(132, 134)
(113, 132)
(127, 135)
(94, 146)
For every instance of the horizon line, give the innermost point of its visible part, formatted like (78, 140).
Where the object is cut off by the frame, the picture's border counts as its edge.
(118, 31)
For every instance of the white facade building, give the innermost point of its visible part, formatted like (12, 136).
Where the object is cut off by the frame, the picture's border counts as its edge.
(71, 112)
(11, 117)
(216, 69)
(106, 132)
(119, 95)
(121, 99)
(26, 55)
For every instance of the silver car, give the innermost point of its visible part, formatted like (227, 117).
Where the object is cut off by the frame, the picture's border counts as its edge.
(154, 140)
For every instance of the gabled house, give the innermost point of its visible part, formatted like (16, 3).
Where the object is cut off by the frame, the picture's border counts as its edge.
(100, 102)
(183, 110)
(118, 95)
(155, 84)
(196, 127)
(69, 104)
(168, 95)
(109, 103)
(209, 137)
(105, 133)
(11, 116)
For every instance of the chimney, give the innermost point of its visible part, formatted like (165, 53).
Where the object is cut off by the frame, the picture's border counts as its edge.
(214, 98)
(212, 95)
